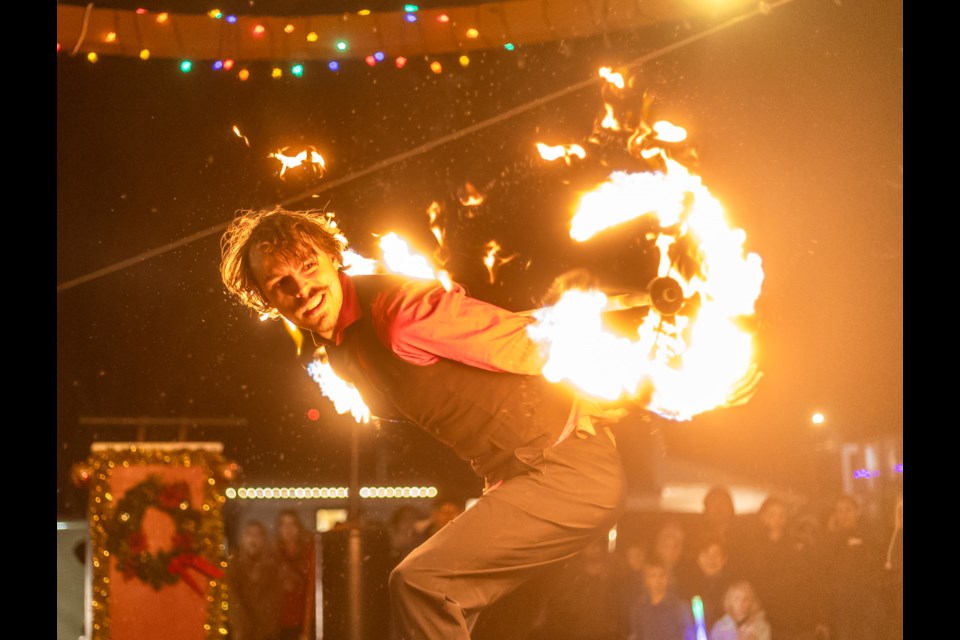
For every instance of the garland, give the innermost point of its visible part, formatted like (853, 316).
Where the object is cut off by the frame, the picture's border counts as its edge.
(127, 542)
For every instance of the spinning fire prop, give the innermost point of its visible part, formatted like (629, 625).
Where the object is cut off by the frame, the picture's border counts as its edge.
(691, 352)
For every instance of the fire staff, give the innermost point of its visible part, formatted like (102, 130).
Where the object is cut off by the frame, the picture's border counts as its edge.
(468, 373)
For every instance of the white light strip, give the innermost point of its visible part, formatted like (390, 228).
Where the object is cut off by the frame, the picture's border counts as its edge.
(299, 493)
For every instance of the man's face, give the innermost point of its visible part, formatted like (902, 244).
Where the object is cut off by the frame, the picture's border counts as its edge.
(305, 292)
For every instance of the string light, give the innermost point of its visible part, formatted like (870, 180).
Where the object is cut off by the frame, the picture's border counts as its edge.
(472, 33)
(243, 74)
(163, 17)
(312, 36)
(111, 37)
(218, 65)
(297, 70)
(227, 64)
(231, 19)
(370, 60)
(341, 45)
(273, 493)
(144, 54)
(141, 11)
(276, 72)
(411, 8)
(436, 67)
(215, 13)
(259, 30)
(92, 56)
(288, 29)
(509, 46)
(186, 66)
(464, 61)
(363, 12)
(378, 56)
(443, 18)
(333, 65)
(411, 17)
(400, 62)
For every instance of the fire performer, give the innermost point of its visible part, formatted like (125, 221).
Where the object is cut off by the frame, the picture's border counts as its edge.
(467, 372)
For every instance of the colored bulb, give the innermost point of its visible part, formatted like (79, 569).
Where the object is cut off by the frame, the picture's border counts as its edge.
(297, 70)
(218, 65)
(509, 46)
(341, 45)
(312, 36)
(162, 17)
(436, 67)
(111, 37)
(92, 56)
(400, 62)
(410, 8)
(443, 18)
(464, 61)
(370, 60)
(186, 66)
(411, 17)
(379, 56)
(145, 54)
(227, 64)
(231, 19)
(243, 74)
(472, 33)
(333, 65)
(277, 72)
(259, 30)
(288, 28)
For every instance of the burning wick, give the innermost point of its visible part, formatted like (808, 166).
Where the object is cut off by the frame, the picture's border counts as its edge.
(565, 151)
(308, 155)
(492, 262)
(470, 197)
(236, 132)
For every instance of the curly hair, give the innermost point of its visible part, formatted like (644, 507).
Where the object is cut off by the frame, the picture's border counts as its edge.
(291, 234)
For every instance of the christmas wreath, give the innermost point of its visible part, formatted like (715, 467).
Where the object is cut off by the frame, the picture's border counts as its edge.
(127, 542)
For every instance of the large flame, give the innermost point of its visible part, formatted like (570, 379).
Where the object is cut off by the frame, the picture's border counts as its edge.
(682, 362)
(346, 397)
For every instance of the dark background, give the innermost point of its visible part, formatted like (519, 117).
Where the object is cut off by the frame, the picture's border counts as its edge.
(797, 120)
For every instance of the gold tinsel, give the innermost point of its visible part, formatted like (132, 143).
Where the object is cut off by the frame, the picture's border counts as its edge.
(211, 528)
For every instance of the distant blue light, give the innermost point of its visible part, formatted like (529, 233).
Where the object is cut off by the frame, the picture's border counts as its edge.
(334, 65)
(411, 17)
(379, 56)
(218, 65)
(898, 468)
(231, 19)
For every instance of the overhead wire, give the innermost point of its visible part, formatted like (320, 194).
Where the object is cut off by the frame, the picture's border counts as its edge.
(763, 8)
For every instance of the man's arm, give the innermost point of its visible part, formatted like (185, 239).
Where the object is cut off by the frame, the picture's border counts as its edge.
(422, 322)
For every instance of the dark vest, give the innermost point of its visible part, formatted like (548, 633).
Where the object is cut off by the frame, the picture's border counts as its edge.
(483, 415)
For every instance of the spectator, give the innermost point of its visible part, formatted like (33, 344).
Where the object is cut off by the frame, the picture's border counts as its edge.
(296, 575)
(658, 613)
(668, 545)
(252, 578)
(783, 573)
(853, 565)
(708, 577)
(744, 618)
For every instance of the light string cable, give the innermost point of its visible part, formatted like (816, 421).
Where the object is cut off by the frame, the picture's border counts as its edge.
(762, 8)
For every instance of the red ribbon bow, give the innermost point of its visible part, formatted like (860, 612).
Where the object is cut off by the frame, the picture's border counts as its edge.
(178, 566)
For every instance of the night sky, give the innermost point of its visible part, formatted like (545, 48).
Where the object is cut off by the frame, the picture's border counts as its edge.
(796, 118)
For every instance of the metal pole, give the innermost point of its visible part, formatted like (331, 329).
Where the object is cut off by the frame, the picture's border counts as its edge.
(354, 581)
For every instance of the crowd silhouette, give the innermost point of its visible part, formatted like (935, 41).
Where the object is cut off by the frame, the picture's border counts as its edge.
(785, 572)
